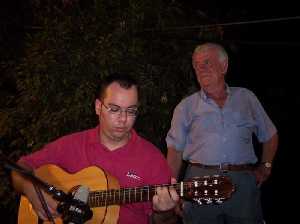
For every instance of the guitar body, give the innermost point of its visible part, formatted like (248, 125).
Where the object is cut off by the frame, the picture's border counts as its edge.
(92, 177)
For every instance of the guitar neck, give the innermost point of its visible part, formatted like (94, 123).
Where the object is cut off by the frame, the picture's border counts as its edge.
(127, 195)
(206, 189)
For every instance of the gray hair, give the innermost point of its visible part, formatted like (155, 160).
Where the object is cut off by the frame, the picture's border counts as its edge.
(222, 52)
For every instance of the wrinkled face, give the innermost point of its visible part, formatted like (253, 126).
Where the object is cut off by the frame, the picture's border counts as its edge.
(116, 112)
(210, 71)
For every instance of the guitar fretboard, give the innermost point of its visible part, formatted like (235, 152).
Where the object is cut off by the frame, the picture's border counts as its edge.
(126, 195)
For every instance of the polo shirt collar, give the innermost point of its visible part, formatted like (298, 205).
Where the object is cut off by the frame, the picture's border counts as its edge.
(93, 137)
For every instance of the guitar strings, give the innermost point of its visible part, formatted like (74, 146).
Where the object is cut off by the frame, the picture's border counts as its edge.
(137, 194)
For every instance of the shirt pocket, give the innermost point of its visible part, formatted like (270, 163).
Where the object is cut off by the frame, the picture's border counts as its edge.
(204, 123)
(243, 126)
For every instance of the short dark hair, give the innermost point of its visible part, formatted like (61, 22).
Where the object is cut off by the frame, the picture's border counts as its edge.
(124, 80)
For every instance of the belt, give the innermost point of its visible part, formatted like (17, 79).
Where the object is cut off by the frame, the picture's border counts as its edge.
(225, 166)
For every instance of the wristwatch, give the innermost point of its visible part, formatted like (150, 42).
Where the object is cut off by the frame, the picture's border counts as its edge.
(267, 164)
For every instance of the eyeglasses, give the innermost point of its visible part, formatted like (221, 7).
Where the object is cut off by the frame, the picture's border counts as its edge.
(117, 110)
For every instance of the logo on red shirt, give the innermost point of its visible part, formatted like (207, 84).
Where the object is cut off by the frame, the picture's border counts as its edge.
(131, 174)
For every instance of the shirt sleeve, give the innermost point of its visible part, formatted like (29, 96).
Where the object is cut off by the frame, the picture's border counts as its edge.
(177, 134)
(59, 152)
(46, 155)
(265, 128)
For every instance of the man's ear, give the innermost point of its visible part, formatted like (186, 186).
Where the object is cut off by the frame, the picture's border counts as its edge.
(224, 67)
(98, 106)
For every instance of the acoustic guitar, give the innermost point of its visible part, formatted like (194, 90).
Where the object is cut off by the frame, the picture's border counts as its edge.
(106, 196)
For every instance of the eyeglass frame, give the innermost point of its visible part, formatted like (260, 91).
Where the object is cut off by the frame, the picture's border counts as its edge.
(120, 110)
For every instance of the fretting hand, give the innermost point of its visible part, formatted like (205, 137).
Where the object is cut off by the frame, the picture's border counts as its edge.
(166, 198)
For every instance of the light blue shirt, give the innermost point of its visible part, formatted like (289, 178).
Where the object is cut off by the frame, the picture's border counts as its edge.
(212, 135)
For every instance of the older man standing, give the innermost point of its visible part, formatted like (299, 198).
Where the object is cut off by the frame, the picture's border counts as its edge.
(212, 130)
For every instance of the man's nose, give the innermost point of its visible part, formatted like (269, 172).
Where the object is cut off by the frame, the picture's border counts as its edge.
(123, 115)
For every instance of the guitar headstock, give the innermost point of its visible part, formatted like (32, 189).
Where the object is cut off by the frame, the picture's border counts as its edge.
(208, 189)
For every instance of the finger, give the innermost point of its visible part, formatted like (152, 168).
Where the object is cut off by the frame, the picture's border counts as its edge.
(155, 202)
(42, 215)
(52, 206)
(53, 210)
(173, 194)
(179, 210)
(162, 200)
(182, 205)
(173, 180)
(162, 192)
(158, 190)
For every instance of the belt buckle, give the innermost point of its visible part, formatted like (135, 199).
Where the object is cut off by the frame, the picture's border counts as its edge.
(224, 167)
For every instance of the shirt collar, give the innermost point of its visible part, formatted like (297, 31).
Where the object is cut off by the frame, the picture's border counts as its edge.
(93, 136)
(206, 98)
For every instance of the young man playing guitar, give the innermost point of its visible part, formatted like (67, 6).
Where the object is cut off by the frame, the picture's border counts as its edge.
(113, 146)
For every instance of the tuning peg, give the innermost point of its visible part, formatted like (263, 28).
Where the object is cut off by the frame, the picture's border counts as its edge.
(198, 200)
(208, 201)
(219, 201)
(205, 192)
